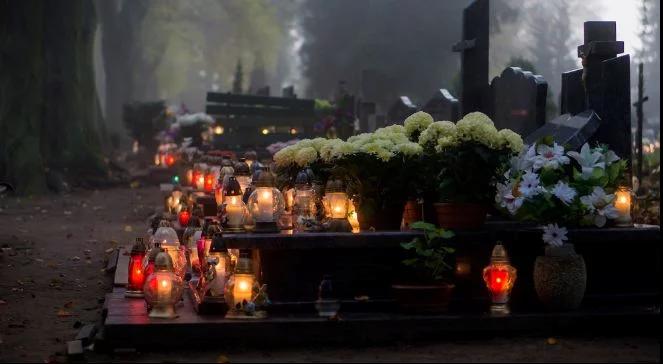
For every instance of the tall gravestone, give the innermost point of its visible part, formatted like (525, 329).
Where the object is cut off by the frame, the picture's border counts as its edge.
(443, 106)
(289, 92)
(599, 93)
(518, 100)
(474, 50)
(365, 111)
(400, 110)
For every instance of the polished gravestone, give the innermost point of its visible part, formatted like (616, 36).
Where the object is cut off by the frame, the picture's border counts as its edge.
(400, 110)
(518, 100)
(443, 106)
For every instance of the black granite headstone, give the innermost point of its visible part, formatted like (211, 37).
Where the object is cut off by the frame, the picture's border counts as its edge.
(365, 110)
(263, 91)
(569, 130)
(443, 106)
(519, 100)
(400, 110)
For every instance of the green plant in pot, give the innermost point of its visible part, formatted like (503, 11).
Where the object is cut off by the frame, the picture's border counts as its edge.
(560, 276)
(426, 285)
(462, 164)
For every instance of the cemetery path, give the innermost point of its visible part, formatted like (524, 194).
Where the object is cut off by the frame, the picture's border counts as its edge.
(52, 256)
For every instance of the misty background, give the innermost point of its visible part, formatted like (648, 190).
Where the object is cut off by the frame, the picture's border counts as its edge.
(177, 51)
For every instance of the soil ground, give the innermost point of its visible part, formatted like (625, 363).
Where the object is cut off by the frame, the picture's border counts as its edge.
(52, 281)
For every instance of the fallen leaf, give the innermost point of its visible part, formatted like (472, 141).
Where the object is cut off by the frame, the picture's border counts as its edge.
(128, 228)
(75, 259)
(551, 341)
(67, 212)
(63, 313)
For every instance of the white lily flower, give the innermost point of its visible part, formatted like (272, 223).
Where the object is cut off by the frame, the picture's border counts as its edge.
(609, 157)
(564, 192)
(588, 159)
(529, 185)
(550, 157)
(554, 235)
(600, 206)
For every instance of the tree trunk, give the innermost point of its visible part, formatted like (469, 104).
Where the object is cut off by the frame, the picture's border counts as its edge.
(49, 116)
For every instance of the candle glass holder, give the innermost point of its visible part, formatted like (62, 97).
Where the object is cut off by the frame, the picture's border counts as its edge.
(499, 277)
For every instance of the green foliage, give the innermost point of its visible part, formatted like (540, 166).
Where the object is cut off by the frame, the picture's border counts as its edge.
(469, 172)
(430, 255)
(323, 107)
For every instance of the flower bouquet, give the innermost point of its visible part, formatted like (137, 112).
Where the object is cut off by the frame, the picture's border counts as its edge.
(461, 166)
(548, 184)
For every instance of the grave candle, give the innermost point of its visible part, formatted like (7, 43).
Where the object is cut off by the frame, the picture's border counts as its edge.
(209, 182)
(499, 277)
(184, 217)
(189, 176)
(353, 218)
(136, 276)
(234, 208)
(265, 197)
(337, 206)
(623, 206)
(163, 289)
(266, 203)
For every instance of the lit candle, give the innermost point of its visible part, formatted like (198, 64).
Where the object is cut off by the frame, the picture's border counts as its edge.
(184, 217)
(164, 286)
(499, 277)
(234, 211)
(265, 204)
(623, 206)
(353, 218)
(189, 176)
(338, 204)
(243, 289)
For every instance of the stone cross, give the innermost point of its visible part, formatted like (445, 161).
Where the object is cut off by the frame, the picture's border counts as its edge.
(602, 86)
(443, 106)
(474, 52)
(518, 100)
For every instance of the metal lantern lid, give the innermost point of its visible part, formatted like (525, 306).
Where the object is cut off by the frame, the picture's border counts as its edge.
(244, 264)
(251, 155)
(335, 185)
(256, 166)
(232, 188)
(499, 254)
(303, 180)
(242, 168)
(154, 252)
(163, 261)
(139, 246)
(265, 178)
(225, 161)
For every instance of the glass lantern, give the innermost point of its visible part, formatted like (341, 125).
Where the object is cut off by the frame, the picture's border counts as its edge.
(250, 157)
(266, 203)
(304, 203)
(205, 242)
(623, 206)
(233, 208)
(242, 288)
(148, 261)
(163, 288)
(353, 217)
(209, 182)
(189, 176)
(219, 268)
(243, 174)
(169, 241)
(337, 205)
(183, 218)
(136, 274)
(499, 277)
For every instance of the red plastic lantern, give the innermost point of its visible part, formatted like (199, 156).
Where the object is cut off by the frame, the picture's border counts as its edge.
(209, 182)
(136, 274)
(499, 277)
(170, 160)
(184, 217)
(189, 176)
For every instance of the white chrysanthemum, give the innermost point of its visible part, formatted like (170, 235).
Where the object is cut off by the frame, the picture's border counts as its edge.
(409, 149)
(306, 156)
(285, 156)
(554, 235)
(342, 149)
(446, 142)
(564, 192)
(318, 143)
(435, 131)
(511, 140)
(417, 122)
(529, 185)
(304, 143)
(478, 118)
(378, 150)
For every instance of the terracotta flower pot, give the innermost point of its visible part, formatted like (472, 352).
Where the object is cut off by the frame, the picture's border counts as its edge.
(452, 215)
(411, 213)
(560, 278)
(432, 298)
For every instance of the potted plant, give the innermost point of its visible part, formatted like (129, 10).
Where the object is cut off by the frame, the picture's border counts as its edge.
(560, 276)
(462, 164)
(426, 287)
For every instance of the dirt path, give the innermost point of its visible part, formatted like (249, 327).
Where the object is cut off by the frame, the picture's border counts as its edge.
(51, 281)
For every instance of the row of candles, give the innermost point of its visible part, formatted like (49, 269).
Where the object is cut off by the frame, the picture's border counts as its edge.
(251, 201)
(157, 271)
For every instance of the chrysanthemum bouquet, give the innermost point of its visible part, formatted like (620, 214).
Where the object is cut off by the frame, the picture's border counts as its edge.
(466, 159)
(549, 184)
